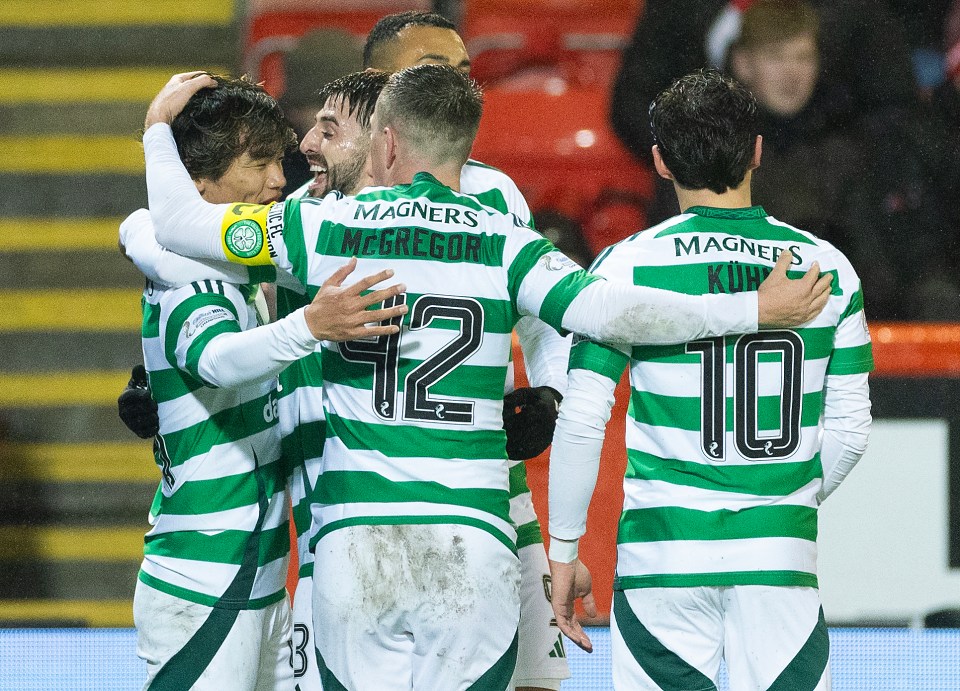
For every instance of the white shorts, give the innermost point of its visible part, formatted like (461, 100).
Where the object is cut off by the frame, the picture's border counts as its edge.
(541, 658)
(305, 671)
(672, 639)
(198, 647)
(422, 606)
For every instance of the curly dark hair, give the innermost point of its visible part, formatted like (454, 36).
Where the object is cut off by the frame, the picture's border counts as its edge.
(219, 125)
(386, 29)
(436, 107)
(359, 91)
(705, 126)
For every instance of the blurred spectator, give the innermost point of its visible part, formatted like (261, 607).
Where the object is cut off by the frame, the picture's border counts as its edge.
(923, 22)
(320, 57)
(810, 172)
(865, 92)
(565, 233)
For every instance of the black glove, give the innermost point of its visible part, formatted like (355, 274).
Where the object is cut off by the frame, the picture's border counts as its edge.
(138, 410)
(529, 416)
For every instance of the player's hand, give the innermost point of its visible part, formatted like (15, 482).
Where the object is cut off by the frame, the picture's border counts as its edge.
(787, 302)
(570, 582)
(136, 406)
(174, 96)
(341, 314)
(529, 418)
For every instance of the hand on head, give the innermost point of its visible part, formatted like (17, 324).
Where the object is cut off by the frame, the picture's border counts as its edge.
(174, 96)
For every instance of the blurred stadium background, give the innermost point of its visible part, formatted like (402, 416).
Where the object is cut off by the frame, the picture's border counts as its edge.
(75, 486)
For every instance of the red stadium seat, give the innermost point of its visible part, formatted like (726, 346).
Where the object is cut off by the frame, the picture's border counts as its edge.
(559, 148)
(273, 29)
(585, 38)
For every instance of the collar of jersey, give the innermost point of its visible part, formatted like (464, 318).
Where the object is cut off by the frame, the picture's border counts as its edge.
(744, 214)
(424, 176)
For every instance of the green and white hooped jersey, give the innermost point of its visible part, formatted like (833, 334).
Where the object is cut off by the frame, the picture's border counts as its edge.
(220, 534)
(414, 422)
(723, 464)
(302, 420)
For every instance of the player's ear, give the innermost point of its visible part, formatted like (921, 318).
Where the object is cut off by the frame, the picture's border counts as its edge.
(658, 163)
(390, 137)
(201, 184)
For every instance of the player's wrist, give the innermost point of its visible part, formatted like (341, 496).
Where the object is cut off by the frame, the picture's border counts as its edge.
(564, 551)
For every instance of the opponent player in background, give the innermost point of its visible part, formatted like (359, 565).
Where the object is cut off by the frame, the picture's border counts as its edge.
(732, 442)
(210, 605)
(391, 531)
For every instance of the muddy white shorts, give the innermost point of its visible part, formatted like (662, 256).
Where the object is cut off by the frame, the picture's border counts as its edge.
(431, 607)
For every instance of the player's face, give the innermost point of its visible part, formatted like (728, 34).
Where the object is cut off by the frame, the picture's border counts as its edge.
(336, 149)
(781, 75)
(255, 181)
(425, 45)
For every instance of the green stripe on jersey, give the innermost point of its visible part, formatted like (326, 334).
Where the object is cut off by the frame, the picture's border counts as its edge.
(229, 425)
(294, 241)
(678, 523)
(715, 277)
(361, 487)
(170, 384)
(557, 301)
(817, 344)
(150, 327)
(197, 497)
(412, 520)
(674, 412)
(529, 534)
(525, 260)
(855, 360)
(203, 599)
(397, 441)
(220, 548)
(598, 357)
(759, 478)
(464, 381)
(716, 579)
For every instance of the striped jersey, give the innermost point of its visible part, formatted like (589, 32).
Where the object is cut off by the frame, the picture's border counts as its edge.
(302, 420)
(722, 435)
(220, 534)
(414, 421)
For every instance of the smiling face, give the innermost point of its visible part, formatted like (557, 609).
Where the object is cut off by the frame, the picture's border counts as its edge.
(336, 149)
(422, 45)
(254, 181)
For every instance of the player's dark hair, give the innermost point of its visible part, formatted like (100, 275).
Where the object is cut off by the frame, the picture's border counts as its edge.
(219, 125)
(358, 91)
(705, 126)
(386, 29)
(435, 107)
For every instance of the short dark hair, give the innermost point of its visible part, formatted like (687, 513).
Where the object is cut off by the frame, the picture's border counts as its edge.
(386, 29)
(705, 126)
(359, 91)
(436, 107)
(219, 125)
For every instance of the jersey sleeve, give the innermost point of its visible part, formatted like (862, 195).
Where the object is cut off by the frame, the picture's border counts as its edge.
(167, 268)
(541, 279)
(192, 316)
(852, 351)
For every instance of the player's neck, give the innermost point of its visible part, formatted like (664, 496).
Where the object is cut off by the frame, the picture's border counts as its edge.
(737, 198)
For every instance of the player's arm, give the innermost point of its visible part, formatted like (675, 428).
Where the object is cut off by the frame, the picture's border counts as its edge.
(846, 401)
(595, 370)
(167, 268)
(553, 287)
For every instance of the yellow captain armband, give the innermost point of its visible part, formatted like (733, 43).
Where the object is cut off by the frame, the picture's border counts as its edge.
(248, 230)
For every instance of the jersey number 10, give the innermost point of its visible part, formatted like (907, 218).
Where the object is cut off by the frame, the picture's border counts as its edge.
(746, 432)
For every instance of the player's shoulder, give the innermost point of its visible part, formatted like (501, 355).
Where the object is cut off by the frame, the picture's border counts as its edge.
(637, 248)
(809, 247)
